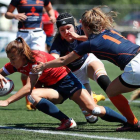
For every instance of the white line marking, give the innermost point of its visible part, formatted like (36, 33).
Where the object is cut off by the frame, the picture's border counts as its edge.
(65, 134)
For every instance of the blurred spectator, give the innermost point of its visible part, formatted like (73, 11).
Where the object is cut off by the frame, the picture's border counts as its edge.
(131, 38)
(5, 24)
(49, 28)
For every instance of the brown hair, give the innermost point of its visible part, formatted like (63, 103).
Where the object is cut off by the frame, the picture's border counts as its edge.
(22, 49)
(97, 20)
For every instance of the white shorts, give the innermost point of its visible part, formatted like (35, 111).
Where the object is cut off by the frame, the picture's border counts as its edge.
(35, 40)
(131, 73)
(81, 73)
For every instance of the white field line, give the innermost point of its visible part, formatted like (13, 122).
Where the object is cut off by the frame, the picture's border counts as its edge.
(138, 101)
(65, 134)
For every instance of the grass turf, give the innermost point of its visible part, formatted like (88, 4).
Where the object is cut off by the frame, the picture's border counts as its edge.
(16, 116)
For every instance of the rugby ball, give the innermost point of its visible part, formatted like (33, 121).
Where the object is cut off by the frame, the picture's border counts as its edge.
(7, 87)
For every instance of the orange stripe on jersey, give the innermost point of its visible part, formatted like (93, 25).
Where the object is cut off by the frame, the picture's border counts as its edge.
(23, 1)
(111, 39)
(125, 54)
(114, 32)
(38, 1)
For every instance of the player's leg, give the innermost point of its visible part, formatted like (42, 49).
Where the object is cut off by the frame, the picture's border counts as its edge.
(81, 74)
(28, 104)
(82, 98)
(127, 82)
(119, 100)
(43, 100)
(73, 89)
(93, 66)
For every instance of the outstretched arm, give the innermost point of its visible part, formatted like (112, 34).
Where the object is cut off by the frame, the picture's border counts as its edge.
(25, 90)
(61, 61)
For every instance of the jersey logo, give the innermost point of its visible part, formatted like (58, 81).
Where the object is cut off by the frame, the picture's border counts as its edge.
(23, 1)
(64, 22)
(33, 12)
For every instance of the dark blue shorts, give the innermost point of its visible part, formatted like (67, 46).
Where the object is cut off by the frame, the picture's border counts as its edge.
(67, 86)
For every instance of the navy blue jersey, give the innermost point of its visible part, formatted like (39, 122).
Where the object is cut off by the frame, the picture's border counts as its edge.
(32, 9)
(109, 45)
(62, 47)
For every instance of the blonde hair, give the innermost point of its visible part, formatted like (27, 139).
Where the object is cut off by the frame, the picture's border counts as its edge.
(21, 47)
(97, 20)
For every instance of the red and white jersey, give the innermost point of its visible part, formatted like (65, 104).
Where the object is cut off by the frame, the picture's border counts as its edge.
(48, 77)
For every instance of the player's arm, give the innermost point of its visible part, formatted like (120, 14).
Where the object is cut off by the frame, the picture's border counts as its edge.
(25, 90)
(50, 11)
(61, 61)
(10, 15)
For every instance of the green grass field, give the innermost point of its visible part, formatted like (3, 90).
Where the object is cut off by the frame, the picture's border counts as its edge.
(16, 123)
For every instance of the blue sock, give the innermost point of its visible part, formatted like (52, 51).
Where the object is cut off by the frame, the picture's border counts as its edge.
(112, 116)
(49, 108)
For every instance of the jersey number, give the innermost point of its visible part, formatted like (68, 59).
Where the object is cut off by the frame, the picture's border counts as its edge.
(112, 38)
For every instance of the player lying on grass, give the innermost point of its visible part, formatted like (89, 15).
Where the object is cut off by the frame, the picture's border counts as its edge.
(83, 67)
(107, 44)
(65, 85)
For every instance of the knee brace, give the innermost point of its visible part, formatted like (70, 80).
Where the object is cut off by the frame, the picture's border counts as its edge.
(103, 82)
(96, 111)
(30, 98)
(98, 73)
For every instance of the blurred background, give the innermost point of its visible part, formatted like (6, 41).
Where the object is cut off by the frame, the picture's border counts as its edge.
(127, 22)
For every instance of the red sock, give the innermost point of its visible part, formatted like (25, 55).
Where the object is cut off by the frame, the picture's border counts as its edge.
(122, 105)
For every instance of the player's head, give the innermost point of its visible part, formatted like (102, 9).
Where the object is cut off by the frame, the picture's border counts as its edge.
(65, 23)
(95, 20)
(19, 53)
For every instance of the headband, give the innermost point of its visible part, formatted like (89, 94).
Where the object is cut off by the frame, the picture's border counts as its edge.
(65, 21)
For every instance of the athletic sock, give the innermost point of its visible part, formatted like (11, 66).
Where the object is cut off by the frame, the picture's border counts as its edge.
(49, 108)
(112, 116)
(122, 105)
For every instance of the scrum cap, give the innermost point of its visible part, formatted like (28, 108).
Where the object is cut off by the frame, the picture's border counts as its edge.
(65, 21)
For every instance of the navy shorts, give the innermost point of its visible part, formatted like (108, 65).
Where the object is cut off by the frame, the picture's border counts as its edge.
(67, 86)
